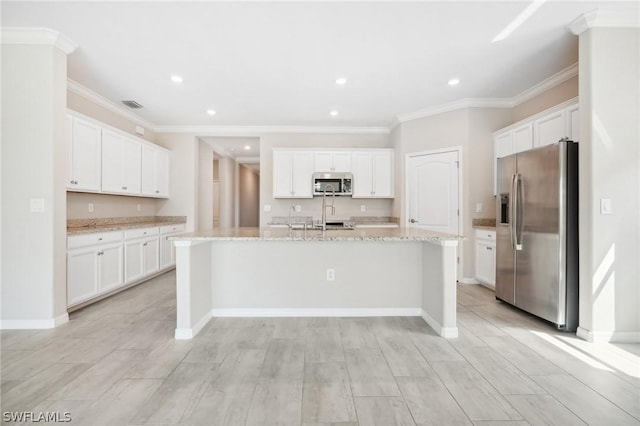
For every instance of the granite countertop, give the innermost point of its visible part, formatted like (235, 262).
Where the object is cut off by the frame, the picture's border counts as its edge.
(281, 234)
(88, 226)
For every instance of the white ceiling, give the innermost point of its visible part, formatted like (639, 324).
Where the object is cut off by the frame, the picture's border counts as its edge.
(275, 63)
(244, 150)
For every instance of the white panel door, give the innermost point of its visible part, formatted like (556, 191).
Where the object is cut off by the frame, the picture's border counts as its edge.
(151, 251)
(342, 162)
(550, 129)
(323, 161)
(163, 173)
(433, 191)
(133, 266)
(167, 252)
(131, 154)
(149, 172)
(382, 174)
(112, 162)
(84, 156)
(362, 174)
(573, 123)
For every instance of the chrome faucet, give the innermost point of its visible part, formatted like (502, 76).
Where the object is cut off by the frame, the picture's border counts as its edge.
(324, 205)
(291, 209)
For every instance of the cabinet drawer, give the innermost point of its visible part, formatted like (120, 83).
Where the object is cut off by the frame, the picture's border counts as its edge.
(170, 229)
(482, 234)
(83, 240)
(140, 232)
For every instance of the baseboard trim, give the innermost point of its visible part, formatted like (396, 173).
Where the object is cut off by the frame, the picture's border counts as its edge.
(34, 324)
(608, 336)
(468, 281)
(189, 333)
(318, 312)
(446, 332)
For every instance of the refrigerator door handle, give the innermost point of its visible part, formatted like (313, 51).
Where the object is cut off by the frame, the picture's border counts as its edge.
(517, 219)
(512, 211)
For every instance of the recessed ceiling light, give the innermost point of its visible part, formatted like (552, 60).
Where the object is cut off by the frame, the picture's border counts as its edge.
(333, 113)
(453, 82)
(211, 112)
(341, 81)
(176, 79)
(247, 147)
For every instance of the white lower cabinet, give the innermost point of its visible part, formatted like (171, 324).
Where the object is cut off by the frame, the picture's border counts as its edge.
(141, 253)
(94, 265)
(486, 257)
(98, 263)
(167, 249)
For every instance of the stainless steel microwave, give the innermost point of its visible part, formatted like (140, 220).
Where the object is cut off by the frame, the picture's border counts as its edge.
(340, 183)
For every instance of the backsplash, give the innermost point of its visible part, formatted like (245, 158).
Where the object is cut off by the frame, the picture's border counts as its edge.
(79, 223)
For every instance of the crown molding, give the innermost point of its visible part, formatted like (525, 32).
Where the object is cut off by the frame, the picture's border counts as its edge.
(453, 106)
(604, 19)
(96, 98)
(28, 35)
(261, 130)
(546, 84)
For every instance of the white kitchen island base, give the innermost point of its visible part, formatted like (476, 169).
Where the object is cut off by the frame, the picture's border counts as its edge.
(267, 273)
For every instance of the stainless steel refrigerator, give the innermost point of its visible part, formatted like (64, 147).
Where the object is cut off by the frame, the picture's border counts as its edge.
(537, 232)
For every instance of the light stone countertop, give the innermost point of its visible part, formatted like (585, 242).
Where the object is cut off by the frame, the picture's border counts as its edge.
(90, 226)
(484, 228)
(283, 234)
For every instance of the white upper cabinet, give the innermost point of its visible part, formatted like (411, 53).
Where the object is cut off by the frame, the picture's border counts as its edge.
(292, 173)
(523, 138)
(121, 164)
(155, 172)
(332, 161)
(83, 150)
(373, 173)
(545, 128)
(550, 128)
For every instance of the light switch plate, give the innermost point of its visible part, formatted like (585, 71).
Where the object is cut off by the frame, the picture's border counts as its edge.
(298, 208)
(479, 207)
(37, 205)
(605, 206)
(90, 207)
(363, 208)
(267, 207)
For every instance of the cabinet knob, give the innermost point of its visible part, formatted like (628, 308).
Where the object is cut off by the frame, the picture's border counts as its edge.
(145, 244)
(100, 239)
(124, 187)
(157, 192)
(489, 248)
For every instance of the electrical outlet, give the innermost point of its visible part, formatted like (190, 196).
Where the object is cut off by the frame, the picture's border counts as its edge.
(479, 207)
(90, 207)
(267, 207)
(331, 274)
(605, 206)
(363, 208)
(298, 208)
(139, 207)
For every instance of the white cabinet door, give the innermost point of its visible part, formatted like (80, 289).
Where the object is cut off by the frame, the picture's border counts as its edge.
(573, 123)
(523, 138)
(342, 162)
(550, 129)
(167, 252)
(322, 161)
(503, 145)
(292, 174)
(110, 268)
(133, 263)
(362, 174)
(332, 161)
(372, 174)
(155, 172)
(485, 262)
(302, 173)
(82, 274)
(151, 251)
(121, 164)
(83, 148)
(282, 178)
(382, 174)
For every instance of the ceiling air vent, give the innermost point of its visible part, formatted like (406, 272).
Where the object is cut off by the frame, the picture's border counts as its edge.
(132, 104)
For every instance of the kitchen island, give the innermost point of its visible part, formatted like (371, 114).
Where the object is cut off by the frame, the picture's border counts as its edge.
(266, 272)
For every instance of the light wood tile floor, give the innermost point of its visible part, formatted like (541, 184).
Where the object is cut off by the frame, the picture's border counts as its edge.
(116, 363)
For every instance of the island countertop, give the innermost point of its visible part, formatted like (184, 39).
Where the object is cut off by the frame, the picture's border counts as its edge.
(285, 234)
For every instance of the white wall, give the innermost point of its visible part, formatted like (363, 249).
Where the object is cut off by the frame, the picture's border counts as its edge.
(33, 167)
(345, 206)
(205, 186)
(227, 175)
(609, 168)
(183, 191)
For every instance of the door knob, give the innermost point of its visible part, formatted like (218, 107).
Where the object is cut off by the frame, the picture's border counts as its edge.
(413, 221)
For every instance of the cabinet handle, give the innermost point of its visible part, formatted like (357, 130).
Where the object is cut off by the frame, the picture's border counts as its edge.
(100, 253)
(145, 244)
(157, 192)
(124, 187)
(100, 239)
(489, 248)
